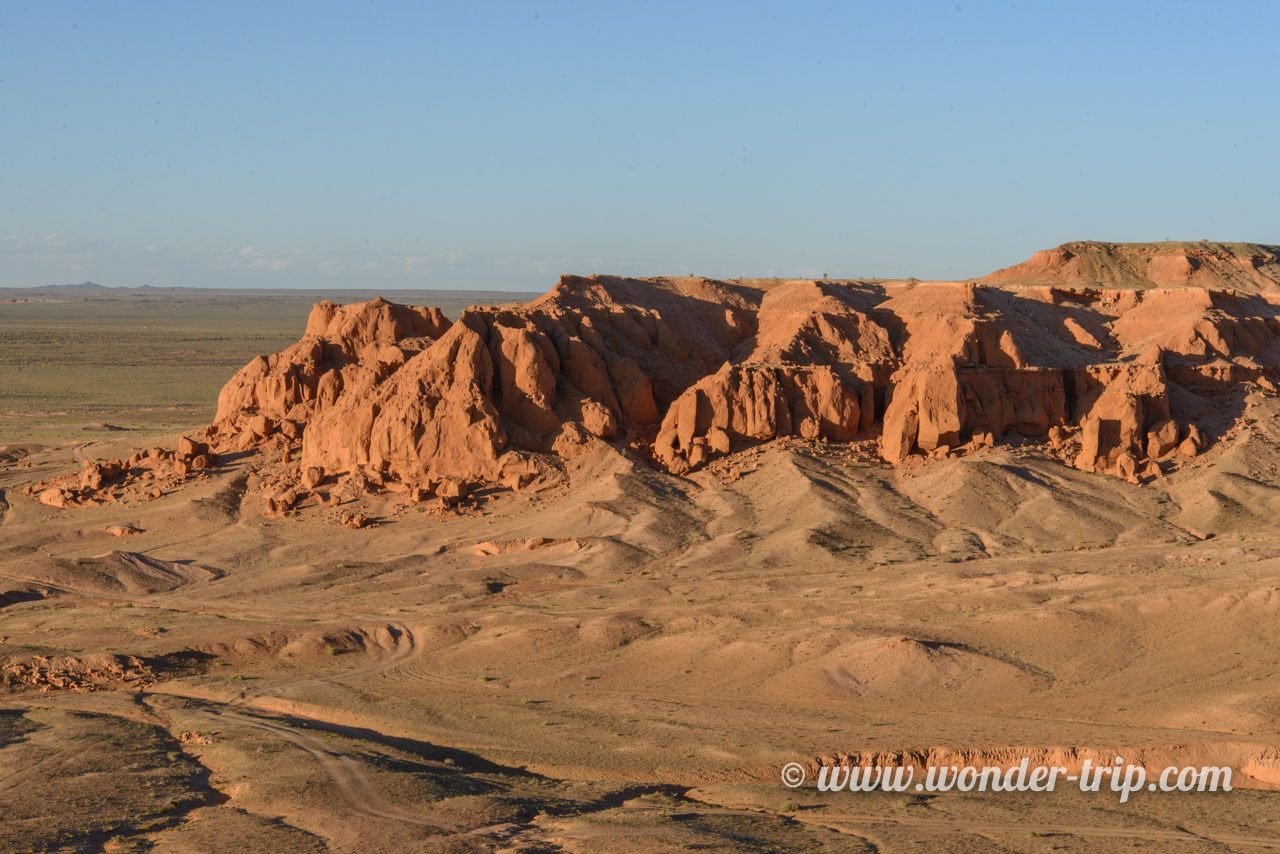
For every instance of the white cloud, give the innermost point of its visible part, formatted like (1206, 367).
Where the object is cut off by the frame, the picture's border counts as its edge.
(253, 258)
(50, 258)
(273, 265)
(34, 242)
(414, 264)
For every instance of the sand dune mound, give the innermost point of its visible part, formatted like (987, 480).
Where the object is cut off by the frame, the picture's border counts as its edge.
(14, 453)
(377, 641)
(899, 667)
(123, 572)
(903, 665)
(1032, 504)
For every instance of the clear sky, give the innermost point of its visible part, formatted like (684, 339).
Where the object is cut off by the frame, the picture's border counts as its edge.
(500, 144)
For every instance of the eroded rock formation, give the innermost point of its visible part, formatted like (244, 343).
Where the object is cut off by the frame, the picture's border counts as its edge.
(146, 475)
(1170, 264)
(1120, 381)
(597, 358)
(685, 370)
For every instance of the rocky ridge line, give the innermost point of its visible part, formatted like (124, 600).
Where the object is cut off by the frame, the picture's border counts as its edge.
(684, 370)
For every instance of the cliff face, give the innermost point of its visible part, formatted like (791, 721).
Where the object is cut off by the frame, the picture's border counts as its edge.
(1248, 267)
(686, 370)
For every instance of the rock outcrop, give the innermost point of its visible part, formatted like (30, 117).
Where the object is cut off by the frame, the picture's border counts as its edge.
(594, 359)
(811, 370)
(345, 348)
(146, 475)
(686, 370)
(77, 674)
(1249, 267)
(378, 396)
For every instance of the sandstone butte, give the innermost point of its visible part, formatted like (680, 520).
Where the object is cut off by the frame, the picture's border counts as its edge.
(1114, 356)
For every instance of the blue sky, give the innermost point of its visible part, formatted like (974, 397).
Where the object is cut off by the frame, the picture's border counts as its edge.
(500, 144)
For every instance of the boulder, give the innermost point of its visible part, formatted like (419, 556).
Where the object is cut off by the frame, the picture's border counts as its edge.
(1194, 442)
(201, 462)
(451, 491)
(189, 448)
(1162, 439)
(54, 497)
(354, 521)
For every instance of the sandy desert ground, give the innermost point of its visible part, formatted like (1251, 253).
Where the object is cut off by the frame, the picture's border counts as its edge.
(620, 653)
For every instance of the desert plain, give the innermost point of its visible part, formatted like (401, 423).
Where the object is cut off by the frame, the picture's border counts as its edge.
(581, 571)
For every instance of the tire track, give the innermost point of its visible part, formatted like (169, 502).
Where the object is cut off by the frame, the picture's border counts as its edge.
(405, 646)
(348, 778)
(844, 824)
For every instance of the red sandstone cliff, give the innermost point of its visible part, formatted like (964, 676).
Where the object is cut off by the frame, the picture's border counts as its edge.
(684, 370)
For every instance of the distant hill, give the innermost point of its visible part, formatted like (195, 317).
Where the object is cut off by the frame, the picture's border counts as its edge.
(1251, 267)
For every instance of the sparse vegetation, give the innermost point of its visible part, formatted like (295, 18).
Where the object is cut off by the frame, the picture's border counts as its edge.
(107, 357)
